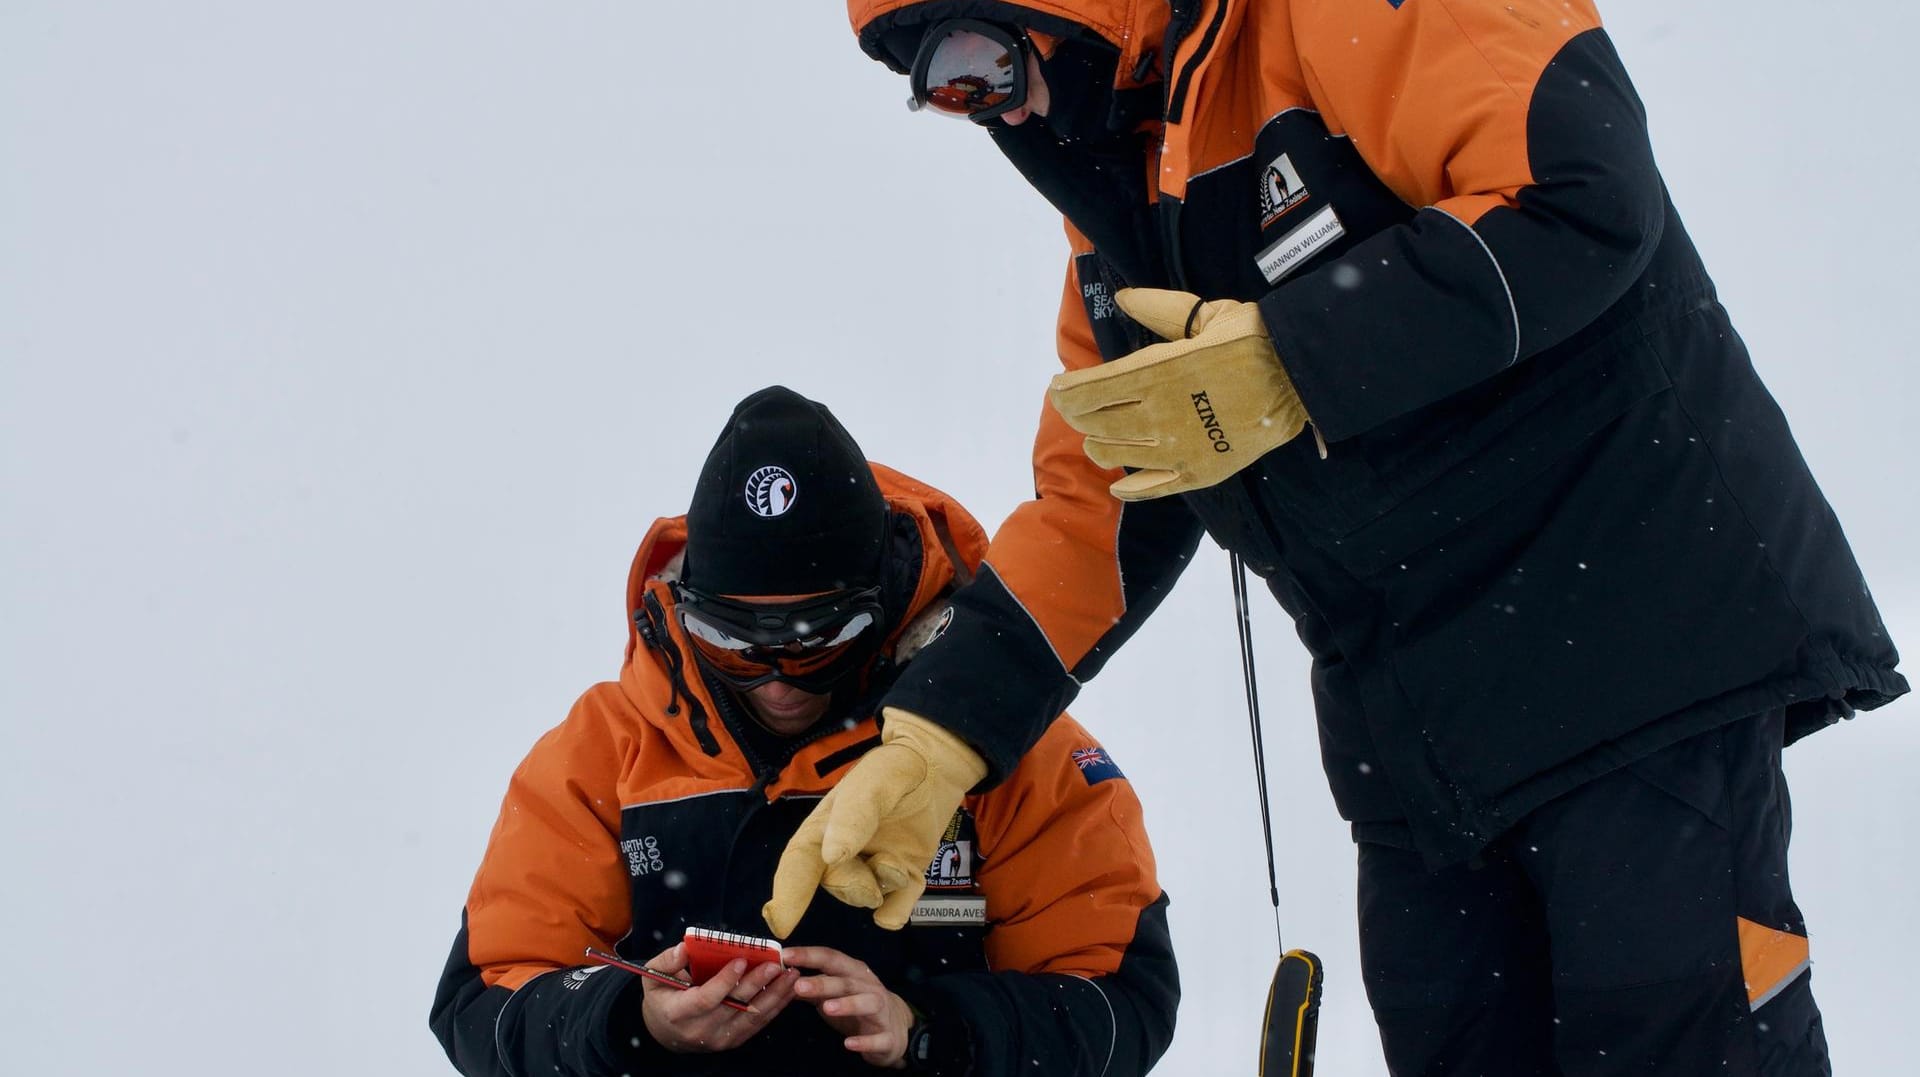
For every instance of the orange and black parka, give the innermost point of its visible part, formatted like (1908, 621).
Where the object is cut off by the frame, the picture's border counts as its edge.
(1560, 522)
(1042, 938)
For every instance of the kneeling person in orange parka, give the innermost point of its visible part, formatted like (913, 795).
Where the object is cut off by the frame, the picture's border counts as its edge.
(764, 624)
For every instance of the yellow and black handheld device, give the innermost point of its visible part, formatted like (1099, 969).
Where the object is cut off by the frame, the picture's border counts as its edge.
(1293, 1017)
(1287, 1036)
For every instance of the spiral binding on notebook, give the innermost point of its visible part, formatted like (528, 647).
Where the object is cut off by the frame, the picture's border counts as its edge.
(708, 951)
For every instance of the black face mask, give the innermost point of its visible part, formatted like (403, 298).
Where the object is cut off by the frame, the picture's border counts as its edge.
(1088, 156)
(1100, 184)
(1083, 101)
(1080, 96)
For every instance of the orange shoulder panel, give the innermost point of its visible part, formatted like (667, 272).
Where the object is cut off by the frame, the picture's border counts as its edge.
(1065, 863)
(1435, 93)
(552, 882)
(1208, 64)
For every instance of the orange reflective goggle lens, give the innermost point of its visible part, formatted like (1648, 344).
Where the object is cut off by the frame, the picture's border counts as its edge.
(970, 69)
(758, 663)
(815, 661)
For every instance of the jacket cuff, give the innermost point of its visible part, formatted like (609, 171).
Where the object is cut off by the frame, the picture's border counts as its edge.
(939, 1044)
(627, 1041)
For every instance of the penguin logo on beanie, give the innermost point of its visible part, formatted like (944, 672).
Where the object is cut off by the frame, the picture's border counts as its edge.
(770, 491)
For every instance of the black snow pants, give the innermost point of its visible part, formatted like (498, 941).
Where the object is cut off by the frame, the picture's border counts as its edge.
(1640, 924)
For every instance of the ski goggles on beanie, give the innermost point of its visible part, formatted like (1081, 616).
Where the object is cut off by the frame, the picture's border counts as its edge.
(810, 643)
(969, 69)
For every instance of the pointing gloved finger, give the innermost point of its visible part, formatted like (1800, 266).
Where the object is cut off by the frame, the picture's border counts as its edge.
(853, 882)
(795, 880)
(894, 873)
(1168, 313)
(894, 912)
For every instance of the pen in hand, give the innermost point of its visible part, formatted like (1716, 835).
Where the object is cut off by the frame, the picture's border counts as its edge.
(657, 976)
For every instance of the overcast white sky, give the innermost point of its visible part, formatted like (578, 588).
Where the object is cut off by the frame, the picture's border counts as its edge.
(347, 350)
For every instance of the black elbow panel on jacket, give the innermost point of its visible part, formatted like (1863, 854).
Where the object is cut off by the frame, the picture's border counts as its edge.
(564, 1022)
(1590, 222)
(574, 1022)
(464, 1012)
(991, 678)
(995, 679)
(1426, 309)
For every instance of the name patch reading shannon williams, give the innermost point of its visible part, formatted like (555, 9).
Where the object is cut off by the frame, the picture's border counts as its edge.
(1289, 251)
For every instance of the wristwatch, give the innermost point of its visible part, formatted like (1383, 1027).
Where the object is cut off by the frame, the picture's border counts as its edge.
(938, 1046)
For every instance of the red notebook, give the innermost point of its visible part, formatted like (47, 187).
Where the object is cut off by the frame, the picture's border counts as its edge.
(709, 951)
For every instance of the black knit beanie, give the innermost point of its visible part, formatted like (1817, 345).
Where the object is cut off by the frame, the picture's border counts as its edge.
(785, 505)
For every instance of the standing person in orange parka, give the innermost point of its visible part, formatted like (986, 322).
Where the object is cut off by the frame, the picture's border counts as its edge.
(764, 623)
(1388, 298)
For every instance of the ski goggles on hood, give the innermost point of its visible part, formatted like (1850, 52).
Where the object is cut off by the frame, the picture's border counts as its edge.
(810, 643)
(969, 69)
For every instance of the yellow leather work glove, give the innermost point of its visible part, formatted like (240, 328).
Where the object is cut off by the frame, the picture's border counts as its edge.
(1188, 413)
(870, 840)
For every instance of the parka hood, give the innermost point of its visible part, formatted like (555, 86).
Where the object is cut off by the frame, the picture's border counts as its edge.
(951, 546)
(1135, 27)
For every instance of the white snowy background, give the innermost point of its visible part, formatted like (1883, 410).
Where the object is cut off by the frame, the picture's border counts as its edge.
(347, 350)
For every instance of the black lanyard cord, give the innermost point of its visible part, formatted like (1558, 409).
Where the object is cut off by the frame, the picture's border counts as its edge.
(1245, 624)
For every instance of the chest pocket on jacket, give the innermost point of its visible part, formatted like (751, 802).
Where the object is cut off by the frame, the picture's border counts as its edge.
(948, 929)
(676, 854)
(1301, 198)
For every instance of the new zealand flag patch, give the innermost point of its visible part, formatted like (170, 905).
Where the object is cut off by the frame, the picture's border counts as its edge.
(1095, 765)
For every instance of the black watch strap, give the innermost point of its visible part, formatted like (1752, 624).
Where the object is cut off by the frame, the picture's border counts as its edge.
(938, 1047)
